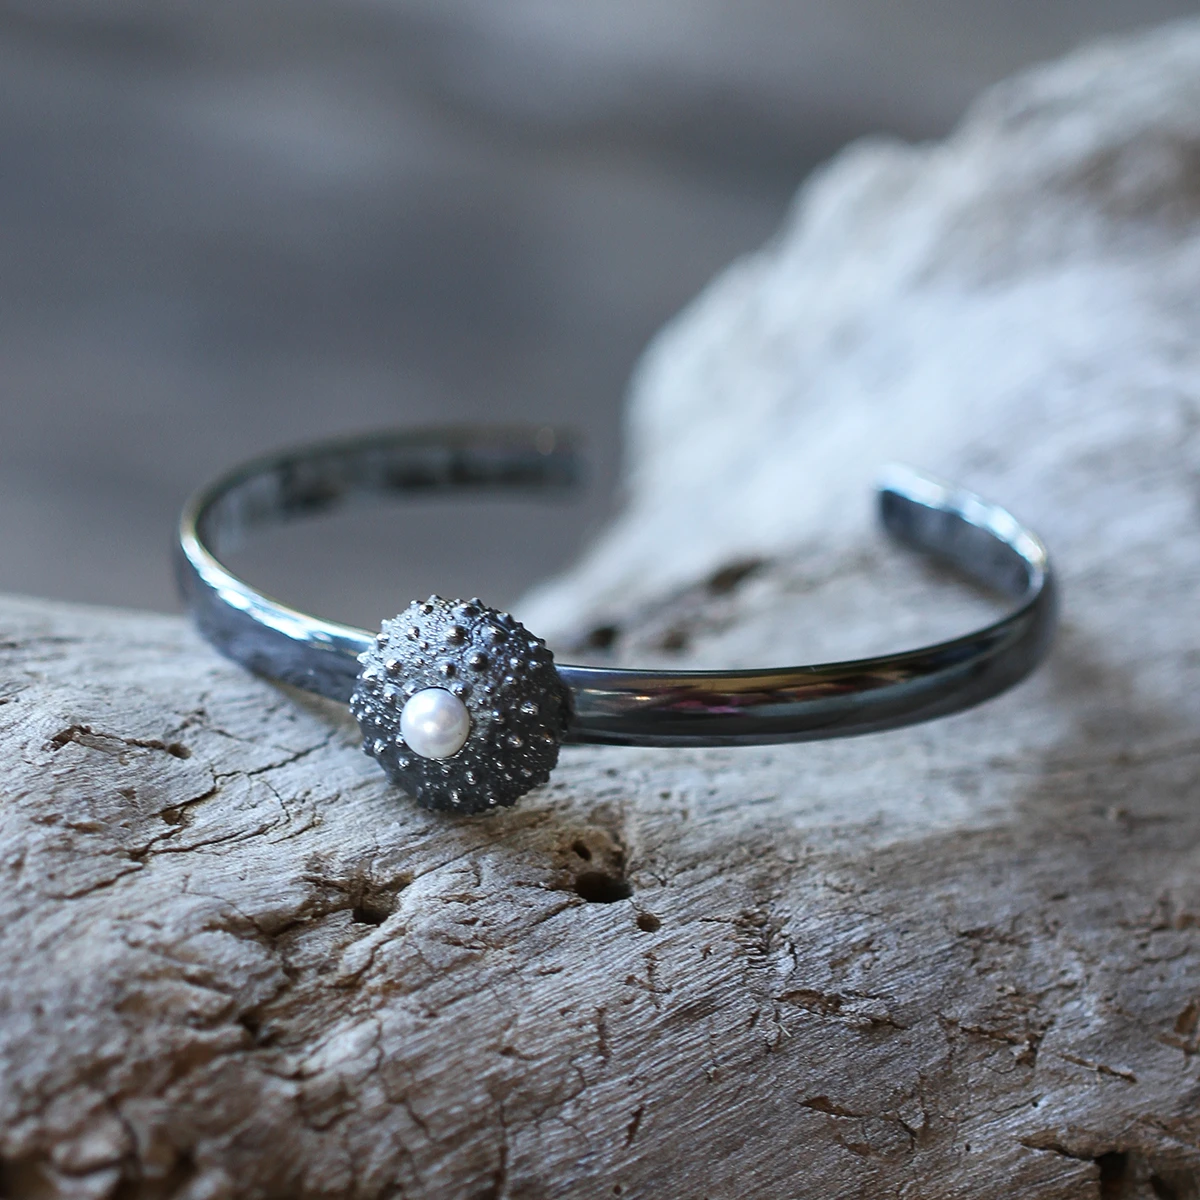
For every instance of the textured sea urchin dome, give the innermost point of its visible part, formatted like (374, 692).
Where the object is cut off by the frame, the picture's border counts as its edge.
(502, 674)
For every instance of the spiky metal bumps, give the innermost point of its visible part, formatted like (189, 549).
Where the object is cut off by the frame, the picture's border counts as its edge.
(503, 675)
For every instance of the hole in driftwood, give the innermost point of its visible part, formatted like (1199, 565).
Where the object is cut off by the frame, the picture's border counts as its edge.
(597, 887)
(371, 912)
(1162, 1189)
(253, 1025)
(582, 849)
(601, 637)
(674, 641)
(733, 574)
(1112, 1174)
(648, 922)
(367, 898)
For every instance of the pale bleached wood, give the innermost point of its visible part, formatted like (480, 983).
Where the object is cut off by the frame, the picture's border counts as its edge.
(960, 960)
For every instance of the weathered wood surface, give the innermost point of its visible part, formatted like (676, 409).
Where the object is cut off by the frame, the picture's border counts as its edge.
(957, 960)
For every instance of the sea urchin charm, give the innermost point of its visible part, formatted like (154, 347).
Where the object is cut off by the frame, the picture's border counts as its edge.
(461, 705)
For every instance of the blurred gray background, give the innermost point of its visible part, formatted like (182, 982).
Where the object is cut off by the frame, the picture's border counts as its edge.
(231, 225)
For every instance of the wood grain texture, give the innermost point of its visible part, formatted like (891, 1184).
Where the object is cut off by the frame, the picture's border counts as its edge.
(957, 960)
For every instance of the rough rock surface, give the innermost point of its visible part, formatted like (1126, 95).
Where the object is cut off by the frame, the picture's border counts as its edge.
(956, 960)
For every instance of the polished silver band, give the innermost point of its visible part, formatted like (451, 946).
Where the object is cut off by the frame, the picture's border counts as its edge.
(611, 705)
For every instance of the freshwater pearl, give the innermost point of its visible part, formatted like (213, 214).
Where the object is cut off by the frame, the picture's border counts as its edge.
(434, 723)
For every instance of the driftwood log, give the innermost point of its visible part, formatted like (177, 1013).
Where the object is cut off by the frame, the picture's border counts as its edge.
(958, 960)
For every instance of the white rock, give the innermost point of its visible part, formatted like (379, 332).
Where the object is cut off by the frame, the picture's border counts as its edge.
(1013, 309)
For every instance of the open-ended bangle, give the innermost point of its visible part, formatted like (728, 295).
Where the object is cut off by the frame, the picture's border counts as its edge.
(465, 709)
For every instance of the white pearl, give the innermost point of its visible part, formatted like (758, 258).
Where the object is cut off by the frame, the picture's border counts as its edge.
(435, 724)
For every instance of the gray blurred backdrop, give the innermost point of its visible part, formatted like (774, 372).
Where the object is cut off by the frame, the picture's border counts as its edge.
(230, 225)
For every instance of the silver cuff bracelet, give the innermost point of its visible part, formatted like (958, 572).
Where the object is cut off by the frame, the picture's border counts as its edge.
(466, 710)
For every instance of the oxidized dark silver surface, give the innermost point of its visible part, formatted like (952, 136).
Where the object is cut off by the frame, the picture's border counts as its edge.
(606, 705)
(503, 675)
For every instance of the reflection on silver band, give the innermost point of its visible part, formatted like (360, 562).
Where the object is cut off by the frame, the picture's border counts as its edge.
(611, 705)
